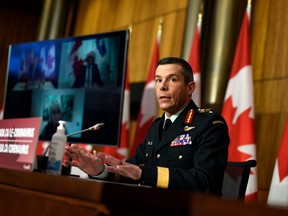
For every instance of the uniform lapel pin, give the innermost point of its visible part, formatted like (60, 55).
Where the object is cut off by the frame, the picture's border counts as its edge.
(187, 128)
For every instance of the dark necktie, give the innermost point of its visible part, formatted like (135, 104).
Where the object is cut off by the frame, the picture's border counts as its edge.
(167, 124)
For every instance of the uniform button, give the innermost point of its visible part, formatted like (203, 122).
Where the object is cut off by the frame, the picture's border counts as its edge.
(180, 156)
(158, 155)
(146, 154)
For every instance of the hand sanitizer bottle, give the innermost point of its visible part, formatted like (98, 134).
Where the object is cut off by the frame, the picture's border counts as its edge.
(57, 149)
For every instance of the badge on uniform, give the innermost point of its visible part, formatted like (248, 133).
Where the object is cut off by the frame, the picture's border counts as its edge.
(183, 139)
(187, 128)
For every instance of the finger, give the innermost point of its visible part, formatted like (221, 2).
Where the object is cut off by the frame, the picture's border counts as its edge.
(108, 159)
(71, 149)
(83, 151)
(74, 157)
(74, 146)
(71, 163)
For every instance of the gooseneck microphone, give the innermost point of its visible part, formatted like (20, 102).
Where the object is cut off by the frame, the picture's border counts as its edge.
(92, 128)
(95, 127)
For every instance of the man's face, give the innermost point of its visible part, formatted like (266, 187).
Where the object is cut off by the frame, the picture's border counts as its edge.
(171, 91)
(90, 59)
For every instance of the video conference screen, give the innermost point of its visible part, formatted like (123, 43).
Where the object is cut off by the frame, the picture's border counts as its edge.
(80, 80)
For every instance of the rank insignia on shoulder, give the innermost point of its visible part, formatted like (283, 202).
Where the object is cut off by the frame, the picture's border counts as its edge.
(187, 128)
(189, 116)
(205, 110)
(218, 122)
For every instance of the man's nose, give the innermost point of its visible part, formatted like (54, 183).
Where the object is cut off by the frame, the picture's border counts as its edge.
(163, 86)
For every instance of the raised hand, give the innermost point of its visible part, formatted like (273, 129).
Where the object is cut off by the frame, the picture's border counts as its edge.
(121, 167)
(84, 160)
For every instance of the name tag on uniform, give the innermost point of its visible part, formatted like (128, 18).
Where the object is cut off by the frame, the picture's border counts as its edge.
(183, 139)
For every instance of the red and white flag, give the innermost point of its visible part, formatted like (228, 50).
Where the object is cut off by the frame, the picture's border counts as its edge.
(148, 109)
(194, 61)
(122, 151)
(238, 107)
(278, 194)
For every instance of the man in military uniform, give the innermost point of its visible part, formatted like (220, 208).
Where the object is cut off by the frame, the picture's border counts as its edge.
(191, 154)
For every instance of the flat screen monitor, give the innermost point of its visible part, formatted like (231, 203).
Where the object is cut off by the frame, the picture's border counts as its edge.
(80, 80)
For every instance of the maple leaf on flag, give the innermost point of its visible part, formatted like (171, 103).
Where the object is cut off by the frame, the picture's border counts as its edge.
(240, 144)
(238, 107)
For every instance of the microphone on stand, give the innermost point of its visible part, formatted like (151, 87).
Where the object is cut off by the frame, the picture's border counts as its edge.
(92, 128)
(95, 127)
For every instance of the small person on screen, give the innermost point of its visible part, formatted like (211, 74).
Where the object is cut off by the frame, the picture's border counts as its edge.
(88, 76)
(30, 70)
(55, 116)
(190, 155)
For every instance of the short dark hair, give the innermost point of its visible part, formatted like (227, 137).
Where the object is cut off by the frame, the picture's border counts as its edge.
(187, 71)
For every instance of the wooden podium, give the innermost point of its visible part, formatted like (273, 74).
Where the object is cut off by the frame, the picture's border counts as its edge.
(26, 193)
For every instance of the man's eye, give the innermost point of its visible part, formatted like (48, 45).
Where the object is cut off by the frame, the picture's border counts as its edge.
(157, 80)
(172, 79)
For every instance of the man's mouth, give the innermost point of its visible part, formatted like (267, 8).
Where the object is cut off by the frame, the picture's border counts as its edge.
(164, 97)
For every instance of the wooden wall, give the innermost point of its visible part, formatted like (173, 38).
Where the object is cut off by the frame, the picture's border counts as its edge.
(101, 16)
(269, 45)
(18, 23)
(270, 68)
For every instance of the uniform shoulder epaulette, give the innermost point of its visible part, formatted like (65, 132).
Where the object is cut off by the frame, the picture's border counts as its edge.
(209, 112)
(205, 110)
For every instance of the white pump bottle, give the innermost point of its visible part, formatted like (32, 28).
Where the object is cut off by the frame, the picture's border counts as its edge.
(57, 149)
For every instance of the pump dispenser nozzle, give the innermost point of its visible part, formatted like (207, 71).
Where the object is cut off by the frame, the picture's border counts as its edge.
(61, 127)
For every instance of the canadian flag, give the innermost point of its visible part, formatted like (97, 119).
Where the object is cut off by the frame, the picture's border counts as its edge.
(194, 61)
(121, 152)
(148, 109)
(238, 107)
(278, 194)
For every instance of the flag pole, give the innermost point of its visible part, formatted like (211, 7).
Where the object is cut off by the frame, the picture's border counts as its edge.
(160, 26)
(249, 3)
(159, 31)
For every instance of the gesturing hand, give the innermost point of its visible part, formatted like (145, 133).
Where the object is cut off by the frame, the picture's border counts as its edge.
(84, 160)
(123, 168)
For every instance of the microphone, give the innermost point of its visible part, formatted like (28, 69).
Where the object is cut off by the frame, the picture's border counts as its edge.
(95, 127)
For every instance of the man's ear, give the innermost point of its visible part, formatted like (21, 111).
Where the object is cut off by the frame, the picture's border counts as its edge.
(191, 87)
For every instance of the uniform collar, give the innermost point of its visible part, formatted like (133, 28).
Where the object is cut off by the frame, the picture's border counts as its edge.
(174, 116)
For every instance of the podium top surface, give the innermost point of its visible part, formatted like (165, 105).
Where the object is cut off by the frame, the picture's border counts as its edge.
(124, 197)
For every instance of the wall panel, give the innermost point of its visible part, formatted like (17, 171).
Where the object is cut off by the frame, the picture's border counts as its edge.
(144, 17)
(16, 26)
(270, 67)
